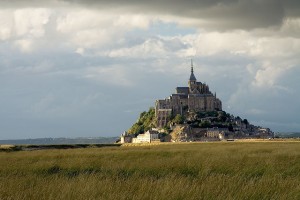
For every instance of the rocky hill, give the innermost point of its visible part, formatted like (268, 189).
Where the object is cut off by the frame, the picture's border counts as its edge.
(195, 125)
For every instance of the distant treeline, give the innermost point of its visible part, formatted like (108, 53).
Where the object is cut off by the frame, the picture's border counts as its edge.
(288, 135)
(41, 141)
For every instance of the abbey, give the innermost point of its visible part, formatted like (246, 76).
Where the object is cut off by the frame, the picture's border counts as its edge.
(196, 97)
(192, 113)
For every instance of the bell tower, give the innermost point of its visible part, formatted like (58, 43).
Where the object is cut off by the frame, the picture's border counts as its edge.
(192, 80)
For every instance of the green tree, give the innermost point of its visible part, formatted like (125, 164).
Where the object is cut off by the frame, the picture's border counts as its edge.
(179, 119)
(205, 124)
(145, 122)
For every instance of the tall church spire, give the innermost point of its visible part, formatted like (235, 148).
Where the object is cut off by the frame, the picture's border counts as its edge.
(192, 77)
(192, 69)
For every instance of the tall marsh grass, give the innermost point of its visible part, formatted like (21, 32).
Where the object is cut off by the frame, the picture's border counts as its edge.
(258, 170)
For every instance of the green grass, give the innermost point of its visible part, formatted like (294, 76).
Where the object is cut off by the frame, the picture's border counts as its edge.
(257, 170)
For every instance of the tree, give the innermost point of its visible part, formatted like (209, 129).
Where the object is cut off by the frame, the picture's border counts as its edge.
(230, 128)
(222, 116)
(245, 121)
(205, 124)
(143, 114)
(136, 129)
(179, 119)
(145, 122)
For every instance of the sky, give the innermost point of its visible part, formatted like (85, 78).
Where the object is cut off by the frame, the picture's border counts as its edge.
(87, 68)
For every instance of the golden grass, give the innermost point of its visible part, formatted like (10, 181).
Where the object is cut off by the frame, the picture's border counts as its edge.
(6, 146)
(224, 170)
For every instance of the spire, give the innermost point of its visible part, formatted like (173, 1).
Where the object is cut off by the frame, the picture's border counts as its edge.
(192, 77)
(192, 69)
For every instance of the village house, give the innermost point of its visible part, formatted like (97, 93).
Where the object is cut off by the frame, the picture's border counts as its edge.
(147, 137)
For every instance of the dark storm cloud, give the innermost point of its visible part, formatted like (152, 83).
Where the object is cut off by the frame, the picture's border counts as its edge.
(227, 14)
(213, 14)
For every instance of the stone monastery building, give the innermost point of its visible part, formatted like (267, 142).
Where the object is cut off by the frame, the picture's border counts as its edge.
(196, 97)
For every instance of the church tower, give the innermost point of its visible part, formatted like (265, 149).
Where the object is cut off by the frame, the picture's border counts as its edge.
(192, 80)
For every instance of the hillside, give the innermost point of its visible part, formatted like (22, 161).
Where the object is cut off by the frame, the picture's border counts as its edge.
(145, 122)
(192, 122)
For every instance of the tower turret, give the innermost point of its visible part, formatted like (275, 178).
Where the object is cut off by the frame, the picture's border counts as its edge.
(192, 76)
(192, 80)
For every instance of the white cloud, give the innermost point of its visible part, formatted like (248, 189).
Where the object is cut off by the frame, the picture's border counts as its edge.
(77, 28)
(94, 29)
(272, 55)
(31, 22)
(150, 48)
(6, 24)
(91, 38)
(266, 76)
(25, 45)
(80, 51)
(132, 21)
(83, 30)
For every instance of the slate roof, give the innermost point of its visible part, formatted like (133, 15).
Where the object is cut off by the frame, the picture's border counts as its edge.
(192, 77)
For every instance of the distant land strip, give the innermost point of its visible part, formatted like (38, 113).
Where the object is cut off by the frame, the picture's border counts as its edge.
(9, 148)
(53, 141)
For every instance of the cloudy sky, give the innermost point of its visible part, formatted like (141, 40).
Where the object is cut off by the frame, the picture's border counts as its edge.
(74, 68)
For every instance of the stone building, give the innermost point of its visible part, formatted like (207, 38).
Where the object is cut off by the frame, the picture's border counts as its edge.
(196, 97)
(126, 138)
(216, 133)
(148, 137)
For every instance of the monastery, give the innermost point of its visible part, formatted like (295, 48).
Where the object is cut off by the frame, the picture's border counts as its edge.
(189, 102)
(196, 97)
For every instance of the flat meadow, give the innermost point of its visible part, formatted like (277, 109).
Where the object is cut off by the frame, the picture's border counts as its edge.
(212, 170)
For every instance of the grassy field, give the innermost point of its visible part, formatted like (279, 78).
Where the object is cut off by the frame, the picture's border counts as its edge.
(224, 170)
